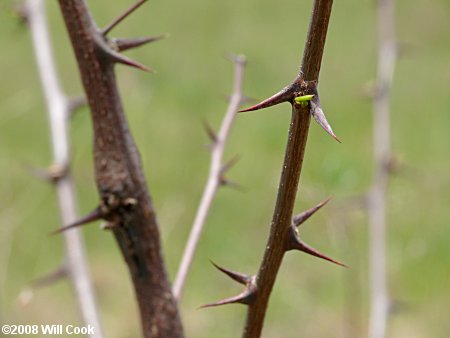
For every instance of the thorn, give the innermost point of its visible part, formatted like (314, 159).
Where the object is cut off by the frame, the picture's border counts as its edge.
(302, 246)
(246, 297)
(302, 217)
(125, 44)
(287, 94)
(228, 183)
(121, 17)
(93, 216)
(209, 131)
(26, 295)
(119, 58)
(229, 164)
(237, 276)
(51, 278)
(319, 116)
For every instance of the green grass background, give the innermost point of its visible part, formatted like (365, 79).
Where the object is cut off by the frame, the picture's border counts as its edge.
(312, 298)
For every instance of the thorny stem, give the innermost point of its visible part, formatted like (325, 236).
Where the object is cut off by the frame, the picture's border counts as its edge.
(298, 133)
(119, 175)
(379, 299)
(214, 178)
(58, 114)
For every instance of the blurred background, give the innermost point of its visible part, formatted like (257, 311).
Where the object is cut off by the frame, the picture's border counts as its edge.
(312, 298)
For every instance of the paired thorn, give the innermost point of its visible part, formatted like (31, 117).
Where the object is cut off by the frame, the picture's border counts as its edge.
(119, 58)
(318, 115)
(293, 241)
(27, 294)
(246, 297)
(210, 131)
(230, 163)
(285, 95)
(93, 216)
(305, 215)
(125, 44)
(296, 243)
(237, 276)
(122, 16)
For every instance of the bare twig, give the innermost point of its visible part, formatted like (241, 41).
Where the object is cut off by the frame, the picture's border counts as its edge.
(214, 178)
(58, 113)
(304, 84)
(379, 298)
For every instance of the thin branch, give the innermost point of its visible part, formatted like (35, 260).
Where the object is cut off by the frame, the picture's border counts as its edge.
(122, 17)
(214, 178)
(379, 299)
(305, 84)
(58, 114)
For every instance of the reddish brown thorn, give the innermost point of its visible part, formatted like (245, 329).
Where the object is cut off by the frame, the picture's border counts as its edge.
(121, 17)
(246, 298)
(209, 131)
(237, 276)
(93, 216)
(125, 44)
(302, 217)
(119, 58)
(287, 94)
(319, 116)
(301, 246)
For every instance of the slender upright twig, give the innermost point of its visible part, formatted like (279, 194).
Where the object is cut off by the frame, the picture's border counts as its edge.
(379, 299)
(215, 178)
(304, 98)
(58, 115)
(125, 201)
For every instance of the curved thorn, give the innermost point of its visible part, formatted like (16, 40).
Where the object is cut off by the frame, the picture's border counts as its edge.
(302, 217)
(302, 246)
(237, 276)
(285, 95)
(320, 118)
(122, 16)
(93, 216)
(125, 44)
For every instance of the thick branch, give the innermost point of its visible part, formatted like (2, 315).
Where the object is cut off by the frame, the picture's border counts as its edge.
(58, 114)
(382, 154)
(214, 178)
(298, 133)
(119, 176)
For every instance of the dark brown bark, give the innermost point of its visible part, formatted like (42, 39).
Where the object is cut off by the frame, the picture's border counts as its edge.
(295, 150)
(125, 201)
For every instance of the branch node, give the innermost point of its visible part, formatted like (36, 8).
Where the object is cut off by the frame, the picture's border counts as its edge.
(246, 297)
(52, 174)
